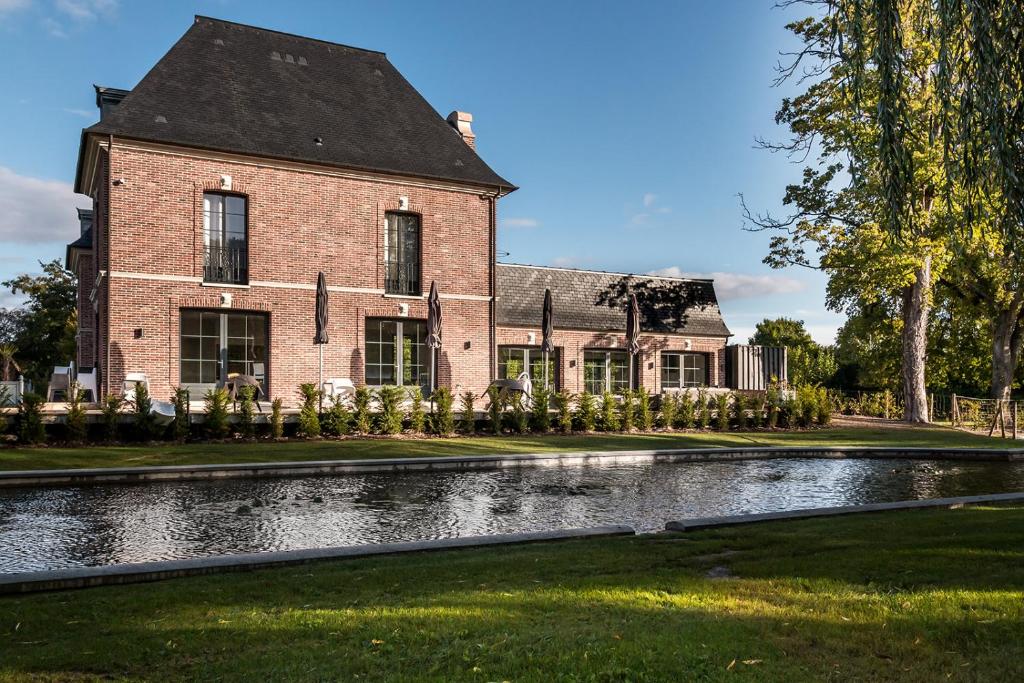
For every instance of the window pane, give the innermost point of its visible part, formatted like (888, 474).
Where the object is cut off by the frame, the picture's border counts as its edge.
(671, 374)
(190, 322)
(235, 205)
(190, 348)
(211, 324)
(190, 372)
(594, 373)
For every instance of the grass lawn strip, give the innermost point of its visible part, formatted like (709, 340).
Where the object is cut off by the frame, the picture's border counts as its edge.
(917, 596)
(351, 449)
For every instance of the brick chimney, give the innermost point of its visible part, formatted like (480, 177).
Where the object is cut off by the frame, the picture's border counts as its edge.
(462, 122)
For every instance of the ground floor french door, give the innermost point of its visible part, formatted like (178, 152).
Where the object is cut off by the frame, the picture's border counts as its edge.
(216, 346)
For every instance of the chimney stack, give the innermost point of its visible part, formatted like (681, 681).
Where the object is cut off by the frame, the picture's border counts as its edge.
(462, 122)
(107, 99)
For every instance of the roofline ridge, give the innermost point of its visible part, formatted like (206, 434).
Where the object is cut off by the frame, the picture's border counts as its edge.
(610, 272)
(197, 17)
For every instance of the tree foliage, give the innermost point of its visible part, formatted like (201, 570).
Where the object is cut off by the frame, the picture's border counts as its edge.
(43, 330)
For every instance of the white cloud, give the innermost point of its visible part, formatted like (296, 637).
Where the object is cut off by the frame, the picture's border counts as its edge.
(651, 208)
(86, 10)
(565, 262)
(520, 222)
(36, 210)
(739, 285)
(13, 5)
(84, 113)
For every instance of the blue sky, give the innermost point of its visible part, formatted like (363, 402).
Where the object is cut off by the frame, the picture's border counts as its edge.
(628, 126)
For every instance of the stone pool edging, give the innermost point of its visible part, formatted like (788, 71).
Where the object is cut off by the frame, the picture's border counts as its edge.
(144, 572)
(702, 523)
(102, 475)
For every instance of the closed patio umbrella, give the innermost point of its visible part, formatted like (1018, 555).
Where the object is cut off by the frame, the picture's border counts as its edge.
(547, 344)
(321, 321)
(433, 331)
(632, 333)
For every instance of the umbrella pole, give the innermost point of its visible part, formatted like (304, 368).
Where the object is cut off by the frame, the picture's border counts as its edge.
(631, 372)
(545, 370)
(320, 386)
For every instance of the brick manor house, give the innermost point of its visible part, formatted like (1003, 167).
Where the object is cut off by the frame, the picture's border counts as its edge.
(247, 161)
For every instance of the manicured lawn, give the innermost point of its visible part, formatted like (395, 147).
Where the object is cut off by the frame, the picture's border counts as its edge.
(916, 596)
(348, 449)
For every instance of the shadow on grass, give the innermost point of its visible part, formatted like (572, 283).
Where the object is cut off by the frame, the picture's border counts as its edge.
(916, 596)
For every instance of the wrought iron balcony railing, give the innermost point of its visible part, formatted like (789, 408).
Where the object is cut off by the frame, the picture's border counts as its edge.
(229, 265)
(401, 277)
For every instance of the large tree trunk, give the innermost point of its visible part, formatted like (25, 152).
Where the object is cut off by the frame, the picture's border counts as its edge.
(915, 343)
(1006, 343)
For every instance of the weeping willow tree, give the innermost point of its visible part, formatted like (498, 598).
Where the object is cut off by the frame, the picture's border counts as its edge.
(864, 211)
(981, 87)
(926, 98)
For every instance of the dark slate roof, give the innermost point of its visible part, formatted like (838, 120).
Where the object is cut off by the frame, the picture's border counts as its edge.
(594, 300)
(236, 88)
(84, 241)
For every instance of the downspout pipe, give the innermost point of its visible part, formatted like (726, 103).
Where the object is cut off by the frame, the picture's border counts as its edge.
(106, 237)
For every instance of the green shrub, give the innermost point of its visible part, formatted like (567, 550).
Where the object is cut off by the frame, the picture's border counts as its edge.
(740, 406)
(585, 417)
(824, 407)
(686, 414)
(363, 418)
(246, 412)
(609, 419)
(644, 416)
(757, 411)
(563, 411)
(703, 409)
(390, 417)
(443, 418)
(146, 428)
(540, 416)
(808, 401)
(667, 411)
(518, 418)
(789, 411)
(30, 419)
(417, 418)
(215, 415)
(337, 419)
(627, 411)
(467, 423)
(494, 409)
(276, 419)
(181, 417)
(111, 412)
(5, 401)
(774, 410)
(309, 413)
(722, 412)
(75, 420)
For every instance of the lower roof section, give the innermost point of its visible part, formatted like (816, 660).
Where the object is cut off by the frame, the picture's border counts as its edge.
(597, 300)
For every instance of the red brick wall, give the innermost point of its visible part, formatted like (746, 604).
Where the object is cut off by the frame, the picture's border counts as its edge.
(572, 343)
(300, 222)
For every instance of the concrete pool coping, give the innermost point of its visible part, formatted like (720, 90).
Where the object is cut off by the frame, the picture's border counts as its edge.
(143, 572)
(701, 523)
(113, 475)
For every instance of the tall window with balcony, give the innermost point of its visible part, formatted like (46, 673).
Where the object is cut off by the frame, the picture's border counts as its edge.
(402, 254)
(225, 239)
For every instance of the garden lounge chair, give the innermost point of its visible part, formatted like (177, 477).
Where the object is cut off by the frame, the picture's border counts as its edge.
(339, 388)
(60, 383)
